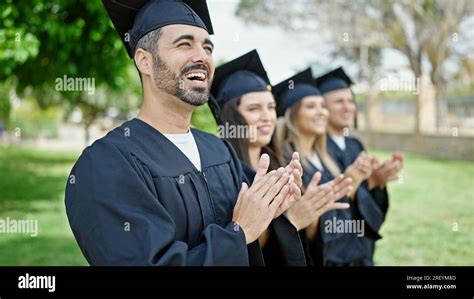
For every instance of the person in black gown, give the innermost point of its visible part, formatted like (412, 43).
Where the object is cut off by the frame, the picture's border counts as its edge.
(302, 127)
(243, 93)
(345, 149)
(153, 191)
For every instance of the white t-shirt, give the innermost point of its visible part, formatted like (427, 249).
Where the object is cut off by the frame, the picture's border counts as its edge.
(340, 141)
(187, 145)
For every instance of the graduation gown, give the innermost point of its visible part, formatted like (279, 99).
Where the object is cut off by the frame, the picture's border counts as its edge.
(373, 204)
(133, 198)
(284, 247)
(331, 248)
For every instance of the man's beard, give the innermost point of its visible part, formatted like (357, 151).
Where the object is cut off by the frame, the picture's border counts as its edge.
(166, 80)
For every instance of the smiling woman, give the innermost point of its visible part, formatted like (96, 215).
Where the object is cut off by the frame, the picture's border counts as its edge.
(42, 175)
(242, 90)
(286, 181)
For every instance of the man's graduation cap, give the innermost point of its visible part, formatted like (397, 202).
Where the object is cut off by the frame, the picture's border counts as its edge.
(242, 75)
(292, 90)
(334, 80)
(133, 19)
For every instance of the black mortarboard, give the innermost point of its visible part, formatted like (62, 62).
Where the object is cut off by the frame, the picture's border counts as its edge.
(139, 17)
(334, 80)
(293, 89)
(242, 75)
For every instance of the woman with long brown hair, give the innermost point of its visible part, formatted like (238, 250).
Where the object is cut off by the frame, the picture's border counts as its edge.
(242, 89)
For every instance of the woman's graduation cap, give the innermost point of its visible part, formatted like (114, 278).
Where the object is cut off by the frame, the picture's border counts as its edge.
(235, 78)
(133, 19)
(292, 90)
(242, 75)
(334, 80)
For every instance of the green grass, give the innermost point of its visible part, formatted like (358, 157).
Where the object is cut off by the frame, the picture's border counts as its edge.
(32, 187)
(418, 230)
(430, 220)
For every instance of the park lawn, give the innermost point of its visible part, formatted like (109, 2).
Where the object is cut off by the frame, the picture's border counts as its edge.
(430, 220)
(32, 186)
(420, 229)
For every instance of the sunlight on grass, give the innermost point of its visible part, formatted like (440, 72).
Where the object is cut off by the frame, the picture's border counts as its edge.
(430, 217)
(435, 197)
(32, 188)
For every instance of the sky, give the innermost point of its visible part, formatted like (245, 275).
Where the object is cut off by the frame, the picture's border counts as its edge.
(282, 53)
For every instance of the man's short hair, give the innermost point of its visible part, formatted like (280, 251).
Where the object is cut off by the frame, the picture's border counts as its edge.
(149, 43)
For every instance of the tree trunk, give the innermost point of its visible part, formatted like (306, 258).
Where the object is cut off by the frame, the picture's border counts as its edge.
(89, 115)
(415, 64)
(86, 134)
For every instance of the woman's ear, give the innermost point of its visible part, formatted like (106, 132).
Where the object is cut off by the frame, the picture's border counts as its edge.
(144, 62)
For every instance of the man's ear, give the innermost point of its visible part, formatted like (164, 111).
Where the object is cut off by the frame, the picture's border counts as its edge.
(144, 61)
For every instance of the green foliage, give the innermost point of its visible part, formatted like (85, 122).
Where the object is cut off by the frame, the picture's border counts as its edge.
(5, 105)
(33, 121)
(204, 120)
(42, 41)
(75, 39)
(16, 47)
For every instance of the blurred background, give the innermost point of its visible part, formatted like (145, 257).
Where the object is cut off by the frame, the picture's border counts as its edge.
(66, 80)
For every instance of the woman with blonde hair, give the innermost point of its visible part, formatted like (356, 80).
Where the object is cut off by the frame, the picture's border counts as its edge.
(302, 127)
(242, 90)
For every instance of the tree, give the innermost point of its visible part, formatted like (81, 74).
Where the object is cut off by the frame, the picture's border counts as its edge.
(421, 29)
(57, 38)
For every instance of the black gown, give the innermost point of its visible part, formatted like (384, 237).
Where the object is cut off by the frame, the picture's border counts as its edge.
(340, 249)
(133, 198)
(376, 205)
(347, 157)
(284, 247)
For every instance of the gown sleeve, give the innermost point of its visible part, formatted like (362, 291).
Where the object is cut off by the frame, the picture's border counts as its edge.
(246, 174)
(118, 220)
(372, 205)
(329, 247)
(381, 197)
(369, 210)
(284, 247)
